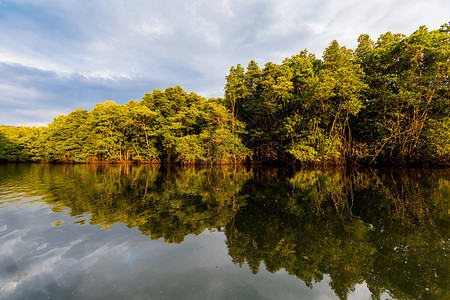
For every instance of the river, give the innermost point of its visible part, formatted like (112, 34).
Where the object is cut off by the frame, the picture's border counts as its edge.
(152, 232)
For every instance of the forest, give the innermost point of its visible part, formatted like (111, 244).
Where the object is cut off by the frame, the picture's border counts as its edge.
(386, 102)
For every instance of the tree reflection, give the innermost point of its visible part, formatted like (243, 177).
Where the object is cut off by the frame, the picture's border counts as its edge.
(387, 228)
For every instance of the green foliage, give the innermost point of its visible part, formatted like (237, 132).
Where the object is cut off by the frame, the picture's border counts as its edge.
(140, 132)
(69, 138)
(301, 108)
(408, 96)
(171, 127)
(20, 143)
(385, 102)
(436, 142)
(195, 130)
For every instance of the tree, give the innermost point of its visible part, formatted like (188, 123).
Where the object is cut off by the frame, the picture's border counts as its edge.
(409, 96)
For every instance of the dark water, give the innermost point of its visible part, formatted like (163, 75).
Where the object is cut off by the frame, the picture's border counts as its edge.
(143, 232)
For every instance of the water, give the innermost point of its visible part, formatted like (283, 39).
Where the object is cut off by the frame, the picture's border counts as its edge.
(144, 232)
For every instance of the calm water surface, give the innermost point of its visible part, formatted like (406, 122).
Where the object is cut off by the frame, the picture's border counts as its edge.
(144, 232)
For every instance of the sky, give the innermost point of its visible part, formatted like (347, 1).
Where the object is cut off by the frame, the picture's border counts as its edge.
(60, 55)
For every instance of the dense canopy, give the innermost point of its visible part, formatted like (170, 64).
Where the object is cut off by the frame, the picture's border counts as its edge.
(384, 102)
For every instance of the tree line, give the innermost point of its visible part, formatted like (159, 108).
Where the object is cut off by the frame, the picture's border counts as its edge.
(386, 102)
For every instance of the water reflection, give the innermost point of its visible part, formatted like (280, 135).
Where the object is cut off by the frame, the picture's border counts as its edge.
(388, 229)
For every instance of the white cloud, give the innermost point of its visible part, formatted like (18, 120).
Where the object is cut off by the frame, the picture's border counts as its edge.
(189, 43)
(15, 93)
(152, 28)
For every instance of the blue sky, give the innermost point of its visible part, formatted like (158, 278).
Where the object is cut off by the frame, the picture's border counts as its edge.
(60, 55)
